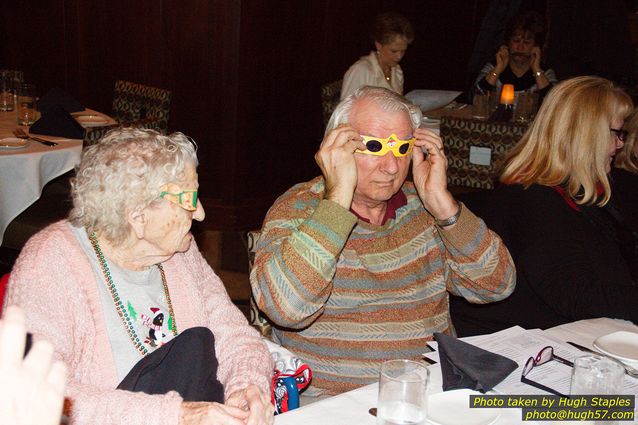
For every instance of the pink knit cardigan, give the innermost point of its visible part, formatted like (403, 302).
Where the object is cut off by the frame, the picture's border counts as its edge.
(53, 282)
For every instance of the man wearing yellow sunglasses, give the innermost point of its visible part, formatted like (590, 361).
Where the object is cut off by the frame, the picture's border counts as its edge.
(353, 267)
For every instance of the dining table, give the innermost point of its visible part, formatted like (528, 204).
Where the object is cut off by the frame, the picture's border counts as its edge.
(26, 166)
(354, 407)
(475, 147)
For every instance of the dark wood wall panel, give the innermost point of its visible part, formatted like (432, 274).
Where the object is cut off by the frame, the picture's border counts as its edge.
(32, 38)
(245, 75)
(202, 46)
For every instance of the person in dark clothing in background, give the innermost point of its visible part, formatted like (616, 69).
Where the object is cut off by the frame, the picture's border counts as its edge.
(518, 61)
(624, 175)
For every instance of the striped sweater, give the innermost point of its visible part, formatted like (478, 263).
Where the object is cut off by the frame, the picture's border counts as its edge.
(346, 295)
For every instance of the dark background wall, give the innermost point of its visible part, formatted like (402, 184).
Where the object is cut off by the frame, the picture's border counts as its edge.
(245, 75)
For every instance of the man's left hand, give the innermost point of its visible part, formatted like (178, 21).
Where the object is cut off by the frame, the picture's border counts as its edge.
(256, 402)
(430, 174)
(536, 59)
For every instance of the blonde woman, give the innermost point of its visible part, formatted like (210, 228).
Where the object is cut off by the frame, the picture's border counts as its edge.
(624, 175)
(573, 257)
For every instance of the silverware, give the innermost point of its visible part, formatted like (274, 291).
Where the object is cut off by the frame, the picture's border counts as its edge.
(19, 133)
(628, 369)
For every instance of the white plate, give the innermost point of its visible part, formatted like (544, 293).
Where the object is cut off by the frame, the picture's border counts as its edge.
(91, 120)
(431, 99)
(13, 143)
(622, 345)
(453, 408)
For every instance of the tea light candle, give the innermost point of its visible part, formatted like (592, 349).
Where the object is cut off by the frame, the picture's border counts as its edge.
(507, 94)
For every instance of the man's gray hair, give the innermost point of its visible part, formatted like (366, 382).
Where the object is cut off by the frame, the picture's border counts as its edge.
(387, 100)
(125, 171)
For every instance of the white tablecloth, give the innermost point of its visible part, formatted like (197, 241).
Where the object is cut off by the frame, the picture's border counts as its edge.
(352, 407)
(25, 171)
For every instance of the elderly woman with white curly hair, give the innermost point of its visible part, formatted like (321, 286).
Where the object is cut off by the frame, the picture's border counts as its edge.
(122, 292)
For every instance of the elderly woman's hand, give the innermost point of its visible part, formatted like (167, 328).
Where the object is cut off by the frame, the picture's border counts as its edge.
(31, 389)
(258, 404)
(207, 413)
(430, 174)
(336, 160)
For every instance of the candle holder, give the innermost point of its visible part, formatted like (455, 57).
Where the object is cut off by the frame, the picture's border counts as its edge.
(505, 109)
(507, 94)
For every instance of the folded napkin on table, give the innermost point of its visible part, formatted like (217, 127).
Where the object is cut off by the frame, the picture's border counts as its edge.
(59, 97)
(466, 366)
(55, 121)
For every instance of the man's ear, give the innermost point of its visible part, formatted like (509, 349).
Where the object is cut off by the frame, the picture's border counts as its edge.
(137, 219)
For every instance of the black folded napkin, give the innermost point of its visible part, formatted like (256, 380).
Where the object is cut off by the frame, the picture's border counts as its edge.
(55, 121)
(57, 96)
(465, 366)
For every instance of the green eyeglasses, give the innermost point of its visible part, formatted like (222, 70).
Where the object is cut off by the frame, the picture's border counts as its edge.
(186, 199)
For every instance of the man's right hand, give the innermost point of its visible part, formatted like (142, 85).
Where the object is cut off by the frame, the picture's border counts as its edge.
(502, 59)
(210, 413)
(335, 157)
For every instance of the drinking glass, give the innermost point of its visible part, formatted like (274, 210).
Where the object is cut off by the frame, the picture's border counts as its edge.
(526, 105)
(597, 375)
(27, 112)
(431, 124)
(6, 92)
(403, 393)
(481, 106)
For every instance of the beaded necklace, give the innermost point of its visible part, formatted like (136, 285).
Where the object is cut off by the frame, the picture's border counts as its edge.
(119, 306)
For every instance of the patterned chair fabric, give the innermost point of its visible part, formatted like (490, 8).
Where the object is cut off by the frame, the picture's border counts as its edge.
(95, 134)
(256, 318)
(141, 106)
(460, 135)
(330, 96)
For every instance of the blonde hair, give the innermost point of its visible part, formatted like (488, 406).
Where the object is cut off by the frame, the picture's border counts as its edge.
(124, 171)
(568, 142)
(627, 157)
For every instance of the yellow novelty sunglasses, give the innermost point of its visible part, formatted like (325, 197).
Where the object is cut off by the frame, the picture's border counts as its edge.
(379, 147)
